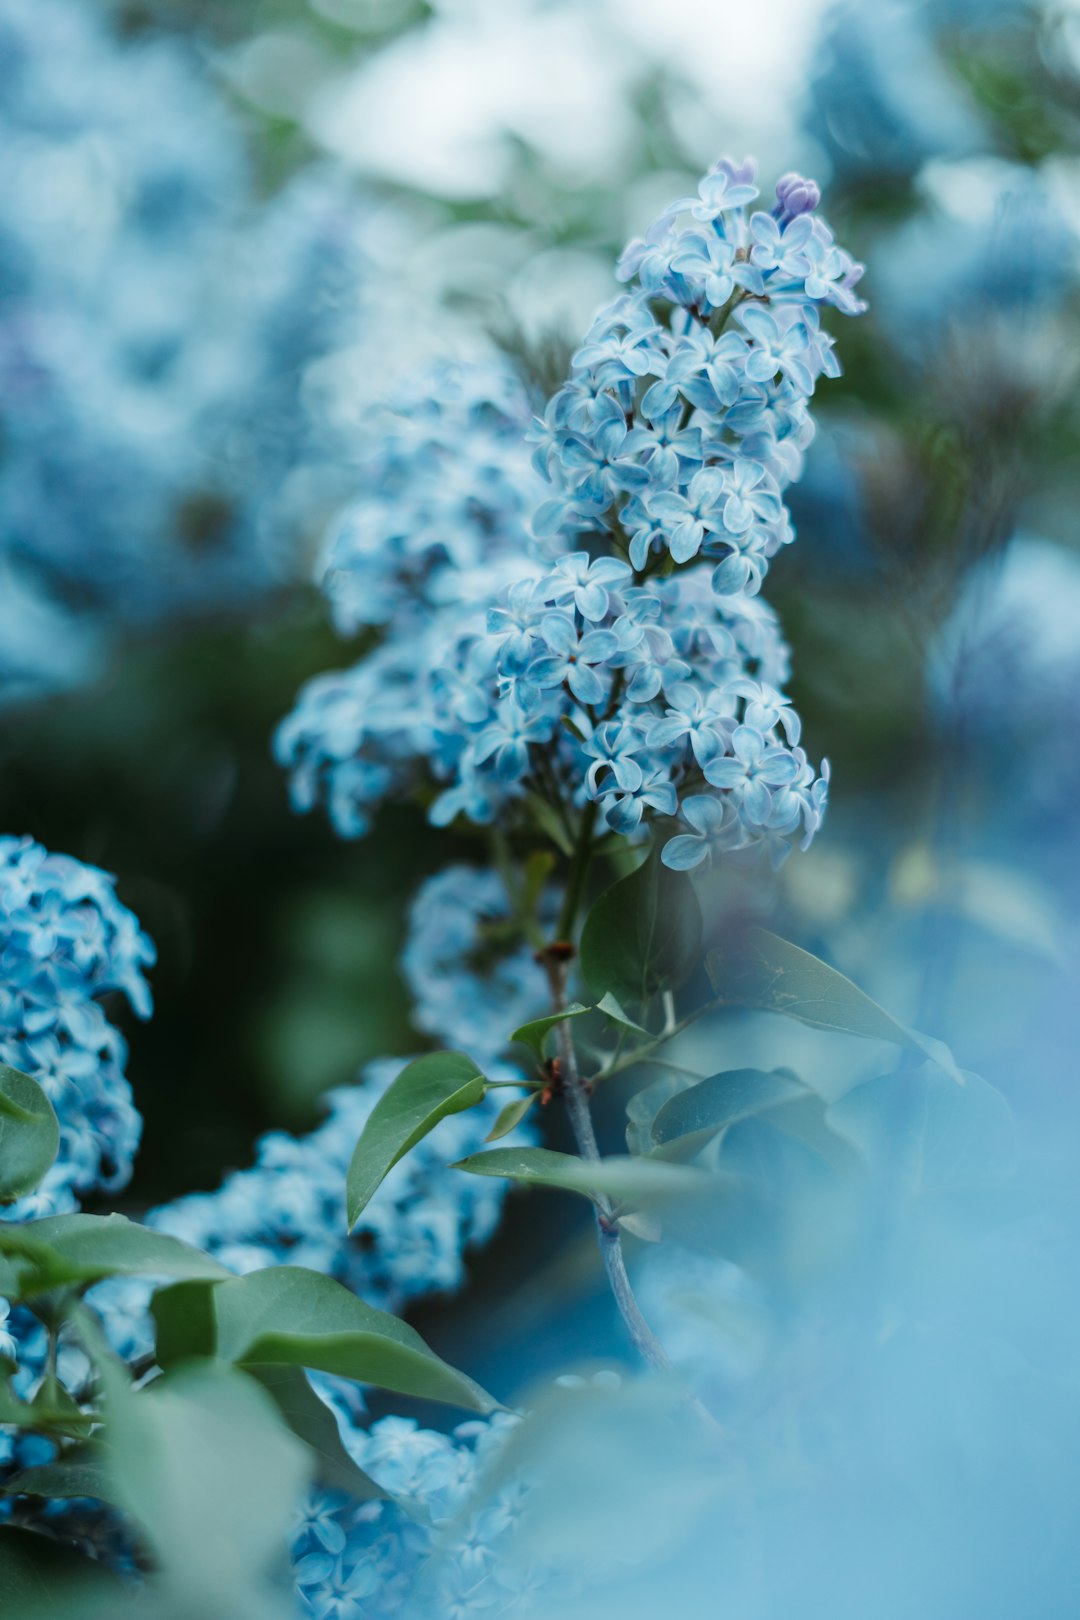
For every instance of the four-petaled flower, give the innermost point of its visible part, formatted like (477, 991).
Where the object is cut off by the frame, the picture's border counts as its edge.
(694, 515)
(751, 771)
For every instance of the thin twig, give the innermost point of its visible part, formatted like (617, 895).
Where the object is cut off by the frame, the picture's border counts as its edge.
(576, 1095)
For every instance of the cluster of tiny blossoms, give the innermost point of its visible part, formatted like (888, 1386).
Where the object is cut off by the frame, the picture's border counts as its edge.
(621, 654)
(65, 941)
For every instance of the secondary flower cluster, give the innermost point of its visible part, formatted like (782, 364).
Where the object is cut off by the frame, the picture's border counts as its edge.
(157, 323)
(621, 655)
(445, 483)
(376, 1559)
(65, 941)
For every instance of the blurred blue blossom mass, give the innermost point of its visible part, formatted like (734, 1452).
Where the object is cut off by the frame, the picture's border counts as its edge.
(157, 320)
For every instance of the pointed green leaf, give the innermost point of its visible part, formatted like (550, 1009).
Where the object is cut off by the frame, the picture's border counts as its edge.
(81, 1471)
(510, 1117)
(643, 935)
(620, 1177)
(772, 975)
(611, 1008)
(533, 1034)
(29, 1134)
(63, 1250)
(425, 1092)
(695, 1115)
(290, 1316)
(312, 1421)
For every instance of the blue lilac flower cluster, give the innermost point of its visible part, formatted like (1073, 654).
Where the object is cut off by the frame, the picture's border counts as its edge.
(66, 941)
(623, 656)
(376, 1559)
(156, 324)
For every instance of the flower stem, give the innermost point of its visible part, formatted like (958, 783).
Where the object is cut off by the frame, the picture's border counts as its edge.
(579, 871)
(576, 1094)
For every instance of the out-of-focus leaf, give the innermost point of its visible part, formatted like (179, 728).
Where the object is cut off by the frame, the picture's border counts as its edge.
(203, 1461)
(43, 1579)
(926, 1134)
(772, 975)
(624, 1178)
(692, 1117)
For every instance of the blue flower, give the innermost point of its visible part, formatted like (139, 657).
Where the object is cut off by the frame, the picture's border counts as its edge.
(751, 771)
(693, 515)
(572, 658)
(776, 349)
(716, 828)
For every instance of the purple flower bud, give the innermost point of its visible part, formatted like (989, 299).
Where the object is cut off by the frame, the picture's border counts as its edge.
(796, 195)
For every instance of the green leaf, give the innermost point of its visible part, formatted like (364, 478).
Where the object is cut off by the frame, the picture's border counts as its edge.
(312, 1421)
(620, 1177)
(643, 935)
(695, 1115)
(926, 1134)
(425, 1092)
(184, 1318)
(45, 1579)
(611, 1008)
(772, 975)
(534, 1033)
(202, 1460)
(510, 1117)
(29, 1134)
(81, 1471)
(289, 1315)
(65, 1250)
